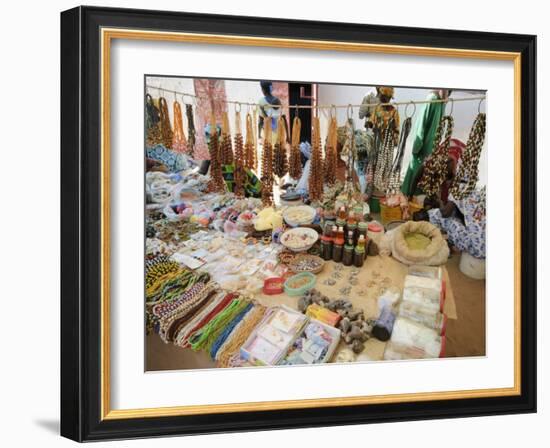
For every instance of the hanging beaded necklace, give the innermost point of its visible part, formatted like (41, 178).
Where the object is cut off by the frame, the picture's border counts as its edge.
(295, 165)
(191, 137)
(226, 145)
(316, 170)
(331, 152)
(179, 142)
(165, 127)
(468, 171)
(239, 172)
(435, 166)
(249, 146)
(279, 151)
(394, 178)
(216, 183)
(267, 166)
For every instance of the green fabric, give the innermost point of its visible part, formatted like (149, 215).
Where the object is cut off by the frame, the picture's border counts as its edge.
(252, 185)
(424, 134)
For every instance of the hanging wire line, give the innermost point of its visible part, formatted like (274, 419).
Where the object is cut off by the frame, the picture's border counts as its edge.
(321, 106)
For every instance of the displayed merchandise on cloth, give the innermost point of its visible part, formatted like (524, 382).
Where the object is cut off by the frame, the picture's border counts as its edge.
(206, 336)
(239, 336)
(198, 320)
(469, 234)
(173, 161)
(434, 171)
(394, 176)
(424, 135)
(467, 174)
(152, 122)
(179, 142)
(191, 132)
(166, 133)
(226, 332)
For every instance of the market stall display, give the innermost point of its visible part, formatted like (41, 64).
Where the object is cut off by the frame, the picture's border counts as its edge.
(291, 277)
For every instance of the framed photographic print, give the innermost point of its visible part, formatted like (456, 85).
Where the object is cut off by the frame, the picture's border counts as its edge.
(276, 224)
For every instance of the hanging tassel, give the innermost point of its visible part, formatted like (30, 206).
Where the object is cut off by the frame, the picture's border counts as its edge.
(255, 135)
(279, 151)
(267, 166)
(179, 142)
(239, 172)
(467, 174)
(152, 122)
(165, 127)
(316, 171)
(191, 137)
(249, 146)
(295, 165)
(435, 166)
(331, 153)
(226, 145)
(216, 183)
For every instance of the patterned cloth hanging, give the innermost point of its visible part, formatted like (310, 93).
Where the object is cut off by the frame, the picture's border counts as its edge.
(239, 174)
(394, 180)
(316, 173)
(434, 171)
(385, 125)
(279, 151)
(295, 164)
(331, 153)
(191, 137)
(179, 142)
(385, 156)
(166, 133)
(226, 146)
(267, 166)
(152, 122)
(467, 175)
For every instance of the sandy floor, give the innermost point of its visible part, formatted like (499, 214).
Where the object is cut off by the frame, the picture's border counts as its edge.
(465, 335)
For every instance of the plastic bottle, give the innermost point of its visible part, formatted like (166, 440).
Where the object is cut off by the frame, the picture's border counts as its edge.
(347, 258)
(359, 252)
(327, 241)
(338, 247)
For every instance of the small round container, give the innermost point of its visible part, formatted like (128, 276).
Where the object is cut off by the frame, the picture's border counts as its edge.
(299, 239)
(299, 284)
(375, 231)
(273, 285)
(307, 263)
(299, 215)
